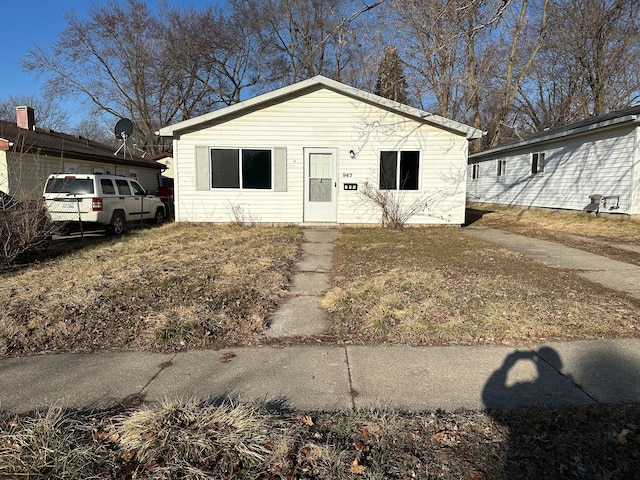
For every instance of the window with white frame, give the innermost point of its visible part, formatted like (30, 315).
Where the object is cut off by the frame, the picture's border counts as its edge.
(537, 162)
(241, 168)
(399, 170)
(501, 168)
(475, 171)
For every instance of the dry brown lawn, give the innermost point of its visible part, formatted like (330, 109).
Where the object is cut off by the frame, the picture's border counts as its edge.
(233, 441)
(428, 286)
(175, 287)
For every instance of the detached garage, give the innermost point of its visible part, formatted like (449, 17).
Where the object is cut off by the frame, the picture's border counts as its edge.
(304, 154)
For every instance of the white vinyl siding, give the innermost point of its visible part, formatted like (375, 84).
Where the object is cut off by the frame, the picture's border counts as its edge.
(28, 173)
(323, 119)
(598, 163)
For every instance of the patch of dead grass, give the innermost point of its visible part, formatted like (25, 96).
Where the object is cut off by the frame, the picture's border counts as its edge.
(174, 287)
(619, 228)
(438, 286)
(185, 439)
(601, 235)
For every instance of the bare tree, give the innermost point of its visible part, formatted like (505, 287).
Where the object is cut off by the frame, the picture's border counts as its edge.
(303, 38)
(521, 48)
(48, 113)
(117, 61)
(590, 63)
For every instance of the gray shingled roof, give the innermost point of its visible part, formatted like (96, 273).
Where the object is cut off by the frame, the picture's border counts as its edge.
(43, 141)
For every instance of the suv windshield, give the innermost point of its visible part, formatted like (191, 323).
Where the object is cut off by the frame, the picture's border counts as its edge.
(70, 186)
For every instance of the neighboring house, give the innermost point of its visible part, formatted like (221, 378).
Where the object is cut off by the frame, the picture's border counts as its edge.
(589, 165)
(28, 155)
(303, 153)
(166, 159)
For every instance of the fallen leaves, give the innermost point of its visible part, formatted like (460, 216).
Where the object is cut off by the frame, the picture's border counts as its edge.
(357, 468)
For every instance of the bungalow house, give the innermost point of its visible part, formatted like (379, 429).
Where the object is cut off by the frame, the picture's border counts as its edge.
(28, 155)
(307, 153)
(592, 165)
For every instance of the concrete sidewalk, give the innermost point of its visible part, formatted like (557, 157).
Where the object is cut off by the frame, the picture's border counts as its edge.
(326, 378)
(620, 276)
(320, 378)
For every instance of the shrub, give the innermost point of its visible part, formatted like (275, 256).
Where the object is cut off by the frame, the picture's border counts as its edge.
(24, 228)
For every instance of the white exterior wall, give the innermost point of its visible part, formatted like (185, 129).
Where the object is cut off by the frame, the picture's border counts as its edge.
(4, 172)
(324, 119)
(26, 173)
(599, 163)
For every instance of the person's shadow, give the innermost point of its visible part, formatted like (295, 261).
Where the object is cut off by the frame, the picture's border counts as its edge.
(554, 428)
(549, 388)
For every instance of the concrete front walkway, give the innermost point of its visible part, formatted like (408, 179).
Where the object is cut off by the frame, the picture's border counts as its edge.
(302, 314)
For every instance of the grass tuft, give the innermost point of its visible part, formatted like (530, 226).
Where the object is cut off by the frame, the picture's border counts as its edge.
(188, 439)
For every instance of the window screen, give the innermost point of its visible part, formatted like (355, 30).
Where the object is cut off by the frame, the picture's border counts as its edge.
(537, 162)
(388, 169)
(225, 171)
(241, 168)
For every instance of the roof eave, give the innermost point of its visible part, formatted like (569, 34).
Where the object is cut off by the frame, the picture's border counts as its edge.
(608, 124)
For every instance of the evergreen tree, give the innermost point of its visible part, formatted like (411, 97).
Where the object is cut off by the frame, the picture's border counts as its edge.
(391, 82)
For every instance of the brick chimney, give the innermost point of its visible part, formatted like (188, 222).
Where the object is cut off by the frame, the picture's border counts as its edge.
(25, 118)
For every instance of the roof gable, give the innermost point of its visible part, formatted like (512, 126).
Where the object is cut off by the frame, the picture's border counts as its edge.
(297, 89)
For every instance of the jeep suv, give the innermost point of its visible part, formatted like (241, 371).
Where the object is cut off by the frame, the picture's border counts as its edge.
(111, 201)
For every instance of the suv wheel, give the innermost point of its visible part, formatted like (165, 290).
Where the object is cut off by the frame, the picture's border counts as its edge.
(118, 223)
(159, 218)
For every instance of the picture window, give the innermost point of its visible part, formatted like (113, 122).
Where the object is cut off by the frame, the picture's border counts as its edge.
(241, 168)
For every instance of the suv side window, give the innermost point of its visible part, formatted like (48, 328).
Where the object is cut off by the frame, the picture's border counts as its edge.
(107, 186)
(123, 187)
(137, 189)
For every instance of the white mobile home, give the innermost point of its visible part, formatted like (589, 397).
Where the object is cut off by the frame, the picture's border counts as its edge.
(303, 154)
(589, 165)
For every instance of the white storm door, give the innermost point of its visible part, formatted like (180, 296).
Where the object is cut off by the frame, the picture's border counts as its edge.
(320, 190)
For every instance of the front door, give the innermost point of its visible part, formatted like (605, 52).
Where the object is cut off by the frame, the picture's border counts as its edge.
(320, 190)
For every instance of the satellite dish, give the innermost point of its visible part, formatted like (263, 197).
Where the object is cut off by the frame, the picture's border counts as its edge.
(123, 129)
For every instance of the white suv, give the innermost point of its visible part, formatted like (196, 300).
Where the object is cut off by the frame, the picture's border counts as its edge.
(107, 200)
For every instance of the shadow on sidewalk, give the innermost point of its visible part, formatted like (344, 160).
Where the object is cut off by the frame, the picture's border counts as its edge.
(578, 438)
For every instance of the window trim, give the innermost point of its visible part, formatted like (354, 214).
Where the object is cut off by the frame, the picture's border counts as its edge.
(241, 186)
(501, 167)
(398, 169)
(536, 164)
